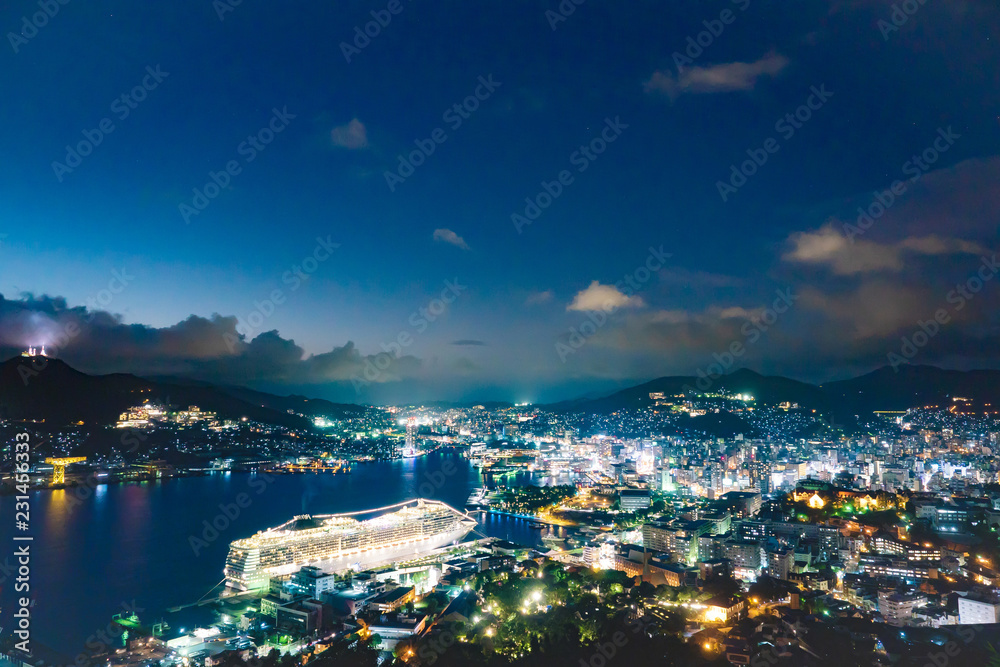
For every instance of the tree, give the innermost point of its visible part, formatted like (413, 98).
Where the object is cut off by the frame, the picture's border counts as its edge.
(722, 585)
(769, 588)
(643, 591)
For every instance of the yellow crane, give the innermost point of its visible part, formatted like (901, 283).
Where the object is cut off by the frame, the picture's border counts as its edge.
(59, 467)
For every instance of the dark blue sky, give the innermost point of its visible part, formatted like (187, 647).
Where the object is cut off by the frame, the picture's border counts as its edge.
(509, 332)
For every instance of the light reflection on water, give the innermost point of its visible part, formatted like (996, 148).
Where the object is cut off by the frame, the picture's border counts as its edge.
(116, 543)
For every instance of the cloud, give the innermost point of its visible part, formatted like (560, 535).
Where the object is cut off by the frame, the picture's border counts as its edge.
(961, 198)
(210, 349)
(935, 245)
(647, 343)
(827, 246)
(873, 311)
(351, 136)
(677, 276)
(468, 342)
(539, 298)
(723, 78)
(739, 312)
(448, 236)
(603, 297)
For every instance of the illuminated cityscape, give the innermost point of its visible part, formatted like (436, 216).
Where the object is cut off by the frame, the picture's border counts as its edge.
(536, 333)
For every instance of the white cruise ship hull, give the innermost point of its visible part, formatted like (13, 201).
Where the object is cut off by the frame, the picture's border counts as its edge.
(402, 535)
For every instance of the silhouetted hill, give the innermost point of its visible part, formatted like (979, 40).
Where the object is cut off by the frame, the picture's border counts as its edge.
(883, 389)
(768, 389)
(49, 389)
(913, 386)
(718, 424)
(312, 407)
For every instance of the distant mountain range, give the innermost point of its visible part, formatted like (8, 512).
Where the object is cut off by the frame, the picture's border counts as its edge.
(50, 389)
(882, 389)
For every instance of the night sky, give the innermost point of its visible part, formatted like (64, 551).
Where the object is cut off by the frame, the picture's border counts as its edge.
(523, 201)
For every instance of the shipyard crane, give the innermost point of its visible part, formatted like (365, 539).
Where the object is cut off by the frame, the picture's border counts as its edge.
(59, 467)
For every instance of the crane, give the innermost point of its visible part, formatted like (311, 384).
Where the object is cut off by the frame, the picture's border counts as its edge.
(59, 467)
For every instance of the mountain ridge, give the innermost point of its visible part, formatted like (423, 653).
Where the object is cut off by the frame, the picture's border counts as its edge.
(884, 388)
(50, 389)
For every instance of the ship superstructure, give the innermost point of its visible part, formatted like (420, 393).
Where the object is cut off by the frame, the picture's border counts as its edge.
(336, 542)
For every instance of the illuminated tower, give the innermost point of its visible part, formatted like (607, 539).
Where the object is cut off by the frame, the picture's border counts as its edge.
(410, 449)
(760, 475)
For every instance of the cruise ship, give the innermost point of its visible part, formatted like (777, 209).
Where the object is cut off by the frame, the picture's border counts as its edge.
(335, 542)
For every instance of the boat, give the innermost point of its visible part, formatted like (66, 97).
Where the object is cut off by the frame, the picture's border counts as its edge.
(553, 541)
(337, 542)
(477, 499)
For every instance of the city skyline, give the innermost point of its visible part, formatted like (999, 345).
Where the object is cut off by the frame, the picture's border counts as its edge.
(559, 333)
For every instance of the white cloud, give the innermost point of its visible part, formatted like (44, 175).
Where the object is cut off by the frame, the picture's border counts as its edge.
(739, 312)
(828, 246)
(351, 136)
(715, 78)
(448, 236)
(603, 297)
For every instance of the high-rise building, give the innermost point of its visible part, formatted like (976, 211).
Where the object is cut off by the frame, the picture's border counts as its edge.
(779, 562)
(410, 449)
(666, 481)
(760, 476)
